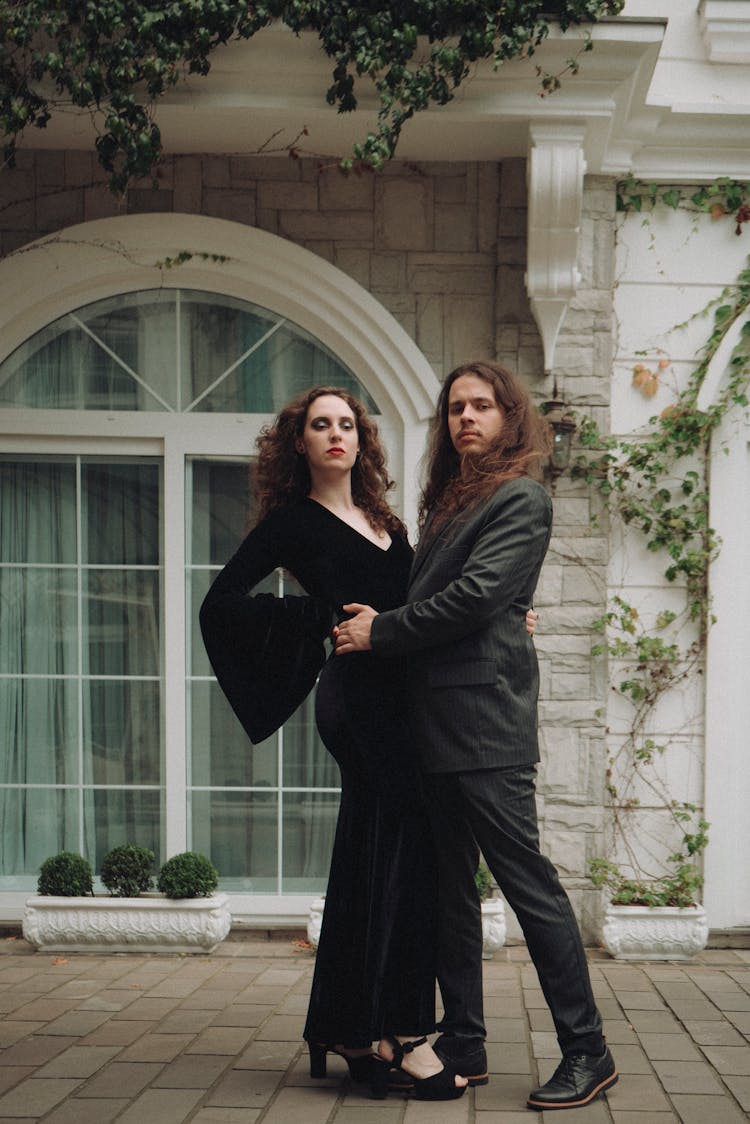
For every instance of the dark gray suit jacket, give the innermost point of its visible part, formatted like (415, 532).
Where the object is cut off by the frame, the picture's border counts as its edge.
(473, 668)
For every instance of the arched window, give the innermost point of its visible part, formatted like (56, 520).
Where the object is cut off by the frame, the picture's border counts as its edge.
(172, 350)
(112, 726)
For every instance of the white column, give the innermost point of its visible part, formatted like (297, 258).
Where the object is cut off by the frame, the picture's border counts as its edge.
(727, 769)
(175, 731)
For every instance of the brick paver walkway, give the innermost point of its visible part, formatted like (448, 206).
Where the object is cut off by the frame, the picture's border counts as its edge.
(216, 1040)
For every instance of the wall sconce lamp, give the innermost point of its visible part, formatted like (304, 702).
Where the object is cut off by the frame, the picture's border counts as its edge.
(563, 427)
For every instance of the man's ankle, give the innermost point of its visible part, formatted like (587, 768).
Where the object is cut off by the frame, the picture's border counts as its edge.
(590, 1049)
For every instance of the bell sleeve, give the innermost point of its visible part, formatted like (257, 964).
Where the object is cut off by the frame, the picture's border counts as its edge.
(266, 652)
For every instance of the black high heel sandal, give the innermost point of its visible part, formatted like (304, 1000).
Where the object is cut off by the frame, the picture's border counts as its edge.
(438, 1087)
(360, 1068)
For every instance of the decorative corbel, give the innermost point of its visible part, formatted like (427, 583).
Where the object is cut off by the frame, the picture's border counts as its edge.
(555, 172)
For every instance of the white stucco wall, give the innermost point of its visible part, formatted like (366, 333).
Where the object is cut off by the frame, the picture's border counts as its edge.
(669, 267)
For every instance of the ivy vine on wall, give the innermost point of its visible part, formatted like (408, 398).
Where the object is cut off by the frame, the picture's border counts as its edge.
(658, 484)
(116, 58)
(723, 197)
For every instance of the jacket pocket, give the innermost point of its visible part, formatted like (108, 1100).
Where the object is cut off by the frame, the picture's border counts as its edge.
(463, 673)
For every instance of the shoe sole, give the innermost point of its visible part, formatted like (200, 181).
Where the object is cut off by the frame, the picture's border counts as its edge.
(480, 1079)
(544, 1106)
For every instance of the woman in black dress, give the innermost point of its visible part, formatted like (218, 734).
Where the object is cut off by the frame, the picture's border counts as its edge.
(321, 482)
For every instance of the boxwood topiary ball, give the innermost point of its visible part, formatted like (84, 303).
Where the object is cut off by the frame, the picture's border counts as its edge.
(189, 875)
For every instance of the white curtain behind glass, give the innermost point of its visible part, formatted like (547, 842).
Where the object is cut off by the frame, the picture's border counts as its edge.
(38, 662)
(79, 659)
(121, 611)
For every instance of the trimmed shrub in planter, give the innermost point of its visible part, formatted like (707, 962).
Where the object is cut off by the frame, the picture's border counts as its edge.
(189, 875)
(483, 882)
(62, 919)
(66, 875)
(127, 871)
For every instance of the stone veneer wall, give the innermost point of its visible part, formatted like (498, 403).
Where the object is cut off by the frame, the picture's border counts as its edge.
(443, 247)
(573, 590)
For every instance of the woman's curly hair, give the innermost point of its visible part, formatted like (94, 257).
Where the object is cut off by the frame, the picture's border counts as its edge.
(454, 483)
(281, 475)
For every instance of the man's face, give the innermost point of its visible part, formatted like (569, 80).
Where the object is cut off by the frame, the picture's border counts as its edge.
(474, 418)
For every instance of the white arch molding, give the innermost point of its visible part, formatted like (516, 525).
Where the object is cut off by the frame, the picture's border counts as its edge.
(91, 261)
(727, 777)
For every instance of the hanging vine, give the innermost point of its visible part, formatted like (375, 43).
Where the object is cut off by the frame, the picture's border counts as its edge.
(116, 58)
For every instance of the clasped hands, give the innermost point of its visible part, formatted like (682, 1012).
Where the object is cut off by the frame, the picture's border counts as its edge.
(353, 634)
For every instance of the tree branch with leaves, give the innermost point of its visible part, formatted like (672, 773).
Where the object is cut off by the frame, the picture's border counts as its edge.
(115, 59)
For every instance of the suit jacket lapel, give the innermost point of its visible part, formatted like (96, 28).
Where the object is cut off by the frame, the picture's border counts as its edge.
(425, 546)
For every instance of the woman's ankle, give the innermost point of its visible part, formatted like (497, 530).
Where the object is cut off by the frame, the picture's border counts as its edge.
(353, 1051)
(421, 1062)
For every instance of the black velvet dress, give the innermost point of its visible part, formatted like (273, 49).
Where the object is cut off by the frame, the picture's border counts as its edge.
(375, 965)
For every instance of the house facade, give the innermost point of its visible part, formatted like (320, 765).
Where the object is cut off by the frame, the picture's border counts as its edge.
(146, 341)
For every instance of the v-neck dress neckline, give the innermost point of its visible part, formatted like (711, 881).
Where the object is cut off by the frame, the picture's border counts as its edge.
(343, 522)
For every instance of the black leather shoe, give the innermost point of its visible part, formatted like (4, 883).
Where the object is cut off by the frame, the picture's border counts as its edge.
(469, 1058)
(579, 1079)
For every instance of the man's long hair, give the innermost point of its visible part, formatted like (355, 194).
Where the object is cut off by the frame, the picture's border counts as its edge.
(455, 483)
(282, 477)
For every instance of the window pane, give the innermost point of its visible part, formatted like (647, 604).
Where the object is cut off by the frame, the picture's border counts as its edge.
(223, 755)
(37, 512)
(309, 828)
(216, 333)
(279, 368)
(221, 513)
(140, 329)
(291, 361)
(122, 613)
(125, 817)
(120, 514)
(63, 368)
(122, 724)
(36, 823)
(238, 832)
(39, 731)
(307, 763)
(198, 583)
(38, 623)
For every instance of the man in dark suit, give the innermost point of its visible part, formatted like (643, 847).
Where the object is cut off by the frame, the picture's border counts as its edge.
(485, 530)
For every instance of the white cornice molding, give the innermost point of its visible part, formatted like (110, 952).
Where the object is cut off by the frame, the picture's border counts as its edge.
(652, 101)
(555, 171)
(725, 26)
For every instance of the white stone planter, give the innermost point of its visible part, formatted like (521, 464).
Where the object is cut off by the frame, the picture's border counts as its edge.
(152, 923)
(493, 926)
(638, 932)
(315, 920)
